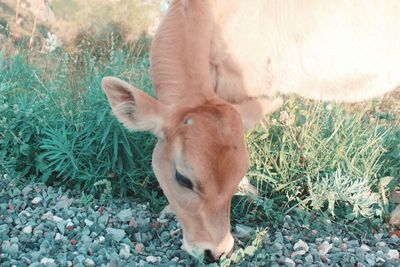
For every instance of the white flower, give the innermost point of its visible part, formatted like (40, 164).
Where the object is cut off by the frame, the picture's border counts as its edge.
(51, 43)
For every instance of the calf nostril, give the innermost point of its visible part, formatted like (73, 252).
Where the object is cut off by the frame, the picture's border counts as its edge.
(208, 257)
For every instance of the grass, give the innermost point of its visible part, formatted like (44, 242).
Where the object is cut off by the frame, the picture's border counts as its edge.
(56, 127)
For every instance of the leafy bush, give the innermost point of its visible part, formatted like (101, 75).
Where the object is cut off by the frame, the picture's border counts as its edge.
(56, 125)
(318, 154)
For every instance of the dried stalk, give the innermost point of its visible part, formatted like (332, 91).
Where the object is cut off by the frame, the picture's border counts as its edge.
(17, 12)
(33, 33)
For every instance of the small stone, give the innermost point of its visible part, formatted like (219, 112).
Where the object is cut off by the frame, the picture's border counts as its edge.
(86, 239)
(309, 258)
(4, 229)
(381, 244)
(324, 248)
(380, 260)
(27, 189)
(88, 222)
(36, 200)
(47, 216)
(47, 261)
(336, 240)
(64, 202)
(164, 235)
(370, 258)
(27, 230)
(353, 243)
(139, 248)
(61, 227)
(125, 215)
(8, 248)
(301, 245)
(318, 241)
(278, 246)
(243, 231)
(133, 223)
(343, 247)
(57, 219)
(151, 259)
(298, 253)
(117, 234)
(125, 252)
(289, 262)
(393, 254)
(103, 219)
(365, 248)
(58, 236)
(102, 239)
(88, 262)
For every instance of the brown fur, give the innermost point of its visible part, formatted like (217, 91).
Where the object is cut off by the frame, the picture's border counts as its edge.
(217, 65)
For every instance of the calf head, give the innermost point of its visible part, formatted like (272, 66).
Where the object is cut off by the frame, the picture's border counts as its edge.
(199, 159)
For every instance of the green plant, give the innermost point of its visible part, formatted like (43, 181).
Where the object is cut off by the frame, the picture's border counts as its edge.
(86, 199)
(56, 125)
(294, 148)
(106, 193)
(338, 187)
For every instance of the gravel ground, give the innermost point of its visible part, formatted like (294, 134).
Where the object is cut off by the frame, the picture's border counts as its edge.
(45, 226)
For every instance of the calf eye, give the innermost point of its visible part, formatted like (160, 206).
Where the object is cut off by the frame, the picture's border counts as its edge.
(183, 181)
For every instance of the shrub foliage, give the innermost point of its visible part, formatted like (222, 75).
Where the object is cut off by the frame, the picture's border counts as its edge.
(56, 127)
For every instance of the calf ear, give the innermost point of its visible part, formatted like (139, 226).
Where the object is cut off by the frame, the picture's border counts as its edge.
(133, 108)
(253, 111)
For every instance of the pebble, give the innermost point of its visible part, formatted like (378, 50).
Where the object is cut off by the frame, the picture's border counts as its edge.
(88, 222)
(102, 239)
(125, 252)
(324, 248)
(151, 259)
(309, 258)
(125, 215)
(36, 200)
(47, 216)
(365, 248)
(289, 262)
(9, 248)
(4, 229)
(57, 219)
(64, 202)
(301, 245)
(139, 248)
(381, 244)
(26, 190)
(47, 262)
(88, 263)
(27, 229)
(298, 253)
(243, 231)
(370, 258)
(380, 260)
(58, 236)
(393, 254)
(103, 219)
(343, 247)
(117, 234)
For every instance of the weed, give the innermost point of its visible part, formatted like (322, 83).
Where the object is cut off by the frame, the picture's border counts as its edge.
(56, 127)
